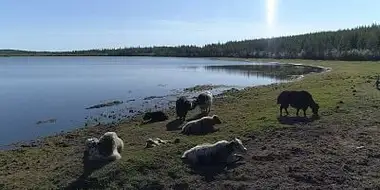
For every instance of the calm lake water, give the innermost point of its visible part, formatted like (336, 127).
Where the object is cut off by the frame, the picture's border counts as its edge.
(60, 89)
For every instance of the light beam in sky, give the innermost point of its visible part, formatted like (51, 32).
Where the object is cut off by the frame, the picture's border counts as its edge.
(271, 6)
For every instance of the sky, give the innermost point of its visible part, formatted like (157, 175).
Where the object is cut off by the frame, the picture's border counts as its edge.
(91, 24)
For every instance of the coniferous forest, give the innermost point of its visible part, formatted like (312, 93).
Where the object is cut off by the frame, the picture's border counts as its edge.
(361, 43)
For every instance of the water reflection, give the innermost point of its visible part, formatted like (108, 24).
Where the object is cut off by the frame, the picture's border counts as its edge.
(275, 71)
(246, 72)
(191, 68)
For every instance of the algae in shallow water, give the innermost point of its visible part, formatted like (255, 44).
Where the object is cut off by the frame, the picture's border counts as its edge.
(106, 104)
(46, 121)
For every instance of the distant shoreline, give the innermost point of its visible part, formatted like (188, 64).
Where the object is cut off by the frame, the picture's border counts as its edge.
(241, 59)
(341, 45)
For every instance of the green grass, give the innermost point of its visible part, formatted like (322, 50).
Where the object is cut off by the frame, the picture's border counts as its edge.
(57, 162)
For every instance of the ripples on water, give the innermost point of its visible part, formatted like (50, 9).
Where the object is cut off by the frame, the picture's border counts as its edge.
(44, 95)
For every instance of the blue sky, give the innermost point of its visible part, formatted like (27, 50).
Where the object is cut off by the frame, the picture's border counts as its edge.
(87, 24)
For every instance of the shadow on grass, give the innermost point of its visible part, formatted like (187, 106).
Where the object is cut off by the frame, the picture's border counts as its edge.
(210, 171)
(204, 131)
(198, 116)
(174, 125)
(83, 182)
(296, 119)
(150, 121)
(146, 122)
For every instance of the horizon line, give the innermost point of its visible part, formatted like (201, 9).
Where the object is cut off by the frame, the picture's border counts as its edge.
(198, 46)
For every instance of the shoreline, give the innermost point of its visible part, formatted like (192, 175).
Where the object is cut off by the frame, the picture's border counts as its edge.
(198, 57)
(168, 108)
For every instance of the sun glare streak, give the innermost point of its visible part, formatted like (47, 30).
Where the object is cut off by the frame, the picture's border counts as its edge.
(271, 12)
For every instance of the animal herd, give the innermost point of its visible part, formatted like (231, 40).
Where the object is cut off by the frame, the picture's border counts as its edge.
(109, 146)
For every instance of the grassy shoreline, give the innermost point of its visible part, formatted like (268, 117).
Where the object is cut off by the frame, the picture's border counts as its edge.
(56, 163)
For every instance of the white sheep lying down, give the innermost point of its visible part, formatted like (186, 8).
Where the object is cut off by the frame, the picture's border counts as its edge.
(204, 101)
(201, 126)
(220, 152)
(108, 147)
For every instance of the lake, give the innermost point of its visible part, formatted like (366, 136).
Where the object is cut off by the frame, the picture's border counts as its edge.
(44, 95)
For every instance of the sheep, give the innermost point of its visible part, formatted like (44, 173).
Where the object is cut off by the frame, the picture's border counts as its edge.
(297, 99)
(91, 150)
(155, 116)
(108, 147)
(183, 105)
(201, 126)
(204, 101)
(221, 152)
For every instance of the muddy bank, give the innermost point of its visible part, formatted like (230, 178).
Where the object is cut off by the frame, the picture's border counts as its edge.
(204, 87)
(311, 156)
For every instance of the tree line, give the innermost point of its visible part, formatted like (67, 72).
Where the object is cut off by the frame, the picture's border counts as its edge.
(360, 43)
